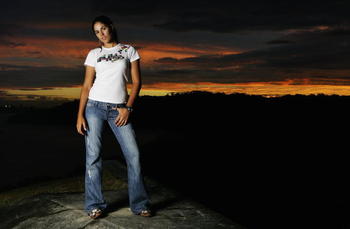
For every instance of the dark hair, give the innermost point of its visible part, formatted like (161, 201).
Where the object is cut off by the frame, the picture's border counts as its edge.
(108, 22)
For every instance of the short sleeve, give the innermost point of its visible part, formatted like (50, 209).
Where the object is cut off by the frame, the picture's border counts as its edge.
(90, 59)
(133, 54)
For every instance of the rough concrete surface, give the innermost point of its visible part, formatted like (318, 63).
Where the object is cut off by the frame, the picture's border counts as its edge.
(66, 210)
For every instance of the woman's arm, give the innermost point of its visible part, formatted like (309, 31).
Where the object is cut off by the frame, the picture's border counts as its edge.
(136, 82)
(84, 93)
(123, 116)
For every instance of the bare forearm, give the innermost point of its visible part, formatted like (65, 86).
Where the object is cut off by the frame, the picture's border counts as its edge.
(83, 100)
(135, 90)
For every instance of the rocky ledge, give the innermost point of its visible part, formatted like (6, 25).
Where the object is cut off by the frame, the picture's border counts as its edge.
(65, 210)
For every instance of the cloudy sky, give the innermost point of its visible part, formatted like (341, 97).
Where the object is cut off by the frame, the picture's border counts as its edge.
(238, 46)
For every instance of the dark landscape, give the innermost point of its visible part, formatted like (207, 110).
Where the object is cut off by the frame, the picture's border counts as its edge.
(263, 162)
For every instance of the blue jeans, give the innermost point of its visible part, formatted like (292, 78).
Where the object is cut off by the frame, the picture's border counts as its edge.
(96, 112)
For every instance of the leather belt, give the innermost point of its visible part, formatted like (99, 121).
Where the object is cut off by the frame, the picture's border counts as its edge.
(120, 105)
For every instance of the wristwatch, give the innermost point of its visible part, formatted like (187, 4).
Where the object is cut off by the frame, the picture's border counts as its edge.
(123, 105)
(129, 108)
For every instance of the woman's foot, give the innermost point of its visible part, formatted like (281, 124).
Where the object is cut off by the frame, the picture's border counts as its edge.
(95, 213)
(145, 213)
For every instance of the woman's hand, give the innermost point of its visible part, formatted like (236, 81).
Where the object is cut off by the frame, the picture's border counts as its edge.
(123, 116)
(81, 123)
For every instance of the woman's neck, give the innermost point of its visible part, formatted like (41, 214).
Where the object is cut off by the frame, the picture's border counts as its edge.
(110, 45)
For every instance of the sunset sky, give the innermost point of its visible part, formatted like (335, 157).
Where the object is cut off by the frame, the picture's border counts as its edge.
(269, 48)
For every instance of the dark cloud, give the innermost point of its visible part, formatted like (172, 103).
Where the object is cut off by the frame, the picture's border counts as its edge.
(308, 49)
(273, 42)
(228, 16)
(33, 77)
(305, 52)
(40, 33)
(312, 50)
(175, 71)
(8, 42)
(46, 88)
(233, 16)
(34, 89)
(43, 11)
(255, 28)
(34, 52)
(9, 67)
(219, 16)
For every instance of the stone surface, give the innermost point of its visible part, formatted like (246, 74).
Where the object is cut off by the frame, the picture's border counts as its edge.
(66, 210)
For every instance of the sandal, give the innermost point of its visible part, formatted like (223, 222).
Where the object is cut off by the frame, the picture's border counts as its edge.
(95, 213)
(145, 213)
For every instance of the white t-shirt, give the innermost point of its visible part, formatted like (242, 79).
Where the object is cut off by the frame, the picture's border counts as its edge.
(112, 72)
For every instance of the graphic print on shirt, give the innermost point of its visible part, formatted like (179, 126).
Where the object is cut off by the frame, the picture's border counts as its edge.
(115, 56)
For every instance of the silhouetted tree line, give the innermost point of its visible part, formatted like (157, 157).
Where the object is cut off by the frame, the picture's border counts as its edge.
(292, 122)
(240, 154)
(199, 108)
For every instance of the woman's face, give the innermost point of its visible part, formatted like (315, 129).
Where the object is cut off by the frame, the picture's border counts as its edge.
(102, 32)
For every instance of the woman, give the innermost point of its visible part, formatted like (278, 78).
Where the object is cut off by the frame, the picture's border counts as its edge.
(106, 99)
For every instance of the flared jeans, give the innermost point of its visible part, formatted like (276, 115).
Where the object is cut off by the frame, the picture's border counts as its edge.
(96, 113)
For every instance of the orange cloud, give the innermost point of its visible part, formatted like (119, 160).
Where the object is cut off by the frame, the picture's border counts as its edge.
(61, 52)
(61, 25)
(267, 89)
(58, 52)
(153, 51)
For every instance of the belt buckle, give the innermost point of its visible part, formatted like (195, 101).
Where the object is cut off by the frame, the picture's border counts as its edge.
(119, 105)
(111, 106)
